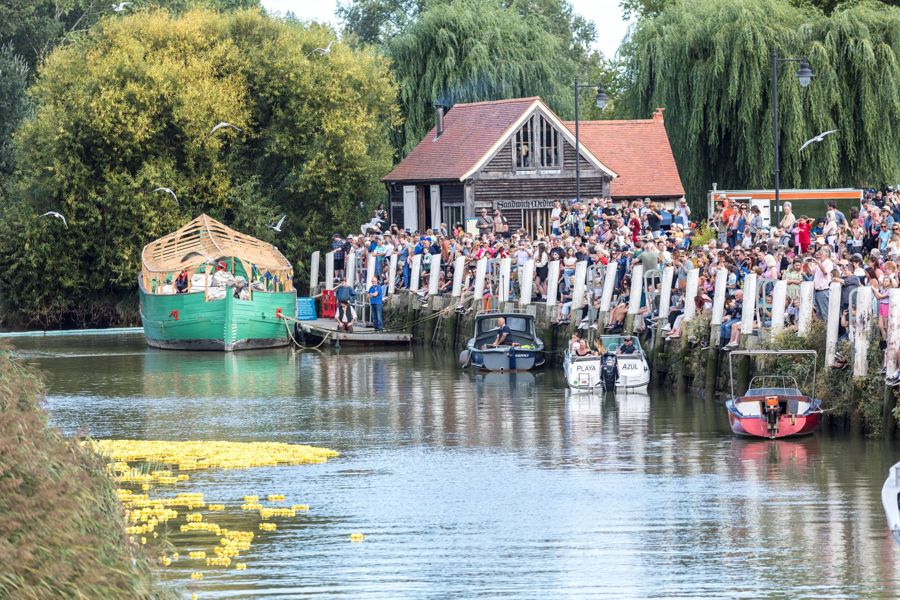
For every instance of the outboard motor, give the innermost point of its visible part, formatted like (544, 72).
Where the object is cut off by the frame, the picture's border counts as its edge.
(773, 414)
(609, 372)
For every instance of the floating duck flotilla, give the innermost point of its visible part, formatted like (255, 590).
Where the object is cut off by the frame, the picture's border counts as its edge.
(150, 464)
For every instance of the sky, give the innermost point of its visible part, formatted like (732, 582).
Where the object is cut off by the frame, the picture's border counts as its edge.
(606, 14)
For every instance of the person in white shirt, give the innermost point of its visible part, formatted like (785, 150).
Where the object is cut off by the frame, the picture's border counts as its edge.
(683, 213)
(821, 269)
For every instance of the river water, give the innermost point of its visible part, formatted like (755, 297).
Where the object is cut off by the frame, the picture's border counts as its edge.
(489, 486)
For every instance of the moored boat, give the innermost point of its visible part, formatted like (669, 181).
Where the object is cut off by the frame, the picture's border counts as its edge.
(773, 405)
(890, 499)
(208, 287)
(520, 351)
(612, 369)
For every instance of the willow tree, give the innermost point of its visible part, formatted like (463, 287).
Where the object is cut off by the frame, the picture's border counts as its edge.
(471, 51)
(128, 108)
(708, 63)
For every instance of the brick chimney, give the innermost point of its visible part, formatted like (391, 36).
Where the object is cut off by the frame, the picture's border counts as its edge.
(439, 121)
(658, 114)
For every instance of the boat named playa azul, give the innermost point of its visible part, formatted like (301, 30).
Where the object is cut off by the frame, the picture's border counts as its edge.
(208, 287)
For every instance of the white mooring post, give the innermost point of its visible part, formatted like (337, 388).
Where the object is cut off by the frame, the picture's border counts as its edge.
(893, 331)
(526, 283)
(552, 282)
(350, 271)
(690, 292)
(861, 323)
(314, 272)
(370, 269)
(505, 270)
(719, 296)
(804, 318)
(665, 294)
(834, 320)
(434, 275)
(609, 285)
(480, 274)
(779, 297)
(459, 271)
(415, 273)
(637, 289)
(580, 279)
(329, 271)
(748, 311)
(392, 274)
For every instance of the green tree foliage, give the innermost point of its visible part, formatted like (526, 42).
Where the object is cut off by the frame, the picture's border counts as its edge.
(377, 21)
(129, 108)
(36, 27)
(652, 8)
(707, 62)
(13, 106)
(471, 51)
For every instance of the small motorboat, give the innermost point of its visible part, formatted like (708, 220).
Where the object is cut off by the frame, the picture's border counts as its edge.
(522, 350)
(890, 498)
(610, 370)
(773, 405)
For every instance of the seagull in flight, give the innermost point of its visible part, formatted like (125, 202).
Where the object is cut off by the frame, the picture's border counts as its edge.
(224, 124)
(277, 227)
(168, 191)
(322, 51)
(817, 138)
(120, 6)
(56, 215)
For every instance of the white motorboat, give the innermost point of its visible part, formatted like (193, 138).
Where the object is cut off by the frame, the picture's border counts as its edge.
(890, 499)
(629, 369)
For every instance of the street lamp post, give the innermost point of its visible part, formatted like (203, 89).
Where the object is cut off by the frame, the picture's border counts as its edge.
(601, 101)
(804, 76)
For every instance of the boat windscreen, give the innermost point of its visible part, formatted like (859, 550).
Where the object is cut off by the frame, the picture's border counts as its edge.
(773, 391)
(519, 324)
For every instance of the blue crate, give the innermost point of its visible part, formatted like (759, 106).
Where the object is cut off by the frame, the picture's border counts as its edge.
(306, 309)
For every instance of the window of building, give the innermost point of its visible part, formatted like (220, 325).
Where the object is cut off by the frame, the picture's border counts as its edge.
(536, 145)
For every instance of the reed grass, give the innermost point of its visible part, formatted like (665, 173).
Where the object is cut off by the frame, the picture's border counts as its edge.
(62, 529)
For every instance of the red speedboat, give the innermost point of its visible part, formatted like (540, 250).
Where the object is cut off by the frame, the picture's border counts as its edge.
(773, 406)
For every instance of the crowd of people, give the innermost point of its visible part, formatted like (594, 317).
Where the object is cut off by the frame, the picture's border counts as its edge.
(859, 247)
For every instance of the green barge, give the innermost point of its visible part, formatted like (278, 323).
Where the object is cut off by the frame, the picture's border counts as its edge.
(208, 287)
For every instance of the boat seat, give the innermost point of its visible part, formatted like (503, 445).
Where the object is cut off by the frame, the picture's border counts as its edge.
(793, 406)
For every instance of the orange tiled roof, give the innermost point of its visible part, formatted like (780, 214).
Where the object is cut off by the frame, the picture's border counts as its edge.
(470, 130)
(638, 150)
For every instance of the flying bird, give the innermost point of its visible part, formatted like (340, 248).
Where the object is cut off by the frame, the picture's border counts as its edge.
(224, 124)
(168, 191)
(277, 227)
(56, 215)
(322, 51)
(120, 6)
(818, 138)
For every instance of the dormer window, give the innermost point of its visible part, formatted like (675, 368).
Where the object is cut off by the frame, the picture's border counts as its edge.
(536, 145)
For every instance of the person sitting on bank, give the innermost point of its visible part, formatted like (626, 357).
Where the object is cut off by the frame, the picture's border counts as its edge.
(503, 334)
(627, 346)
(345, 316)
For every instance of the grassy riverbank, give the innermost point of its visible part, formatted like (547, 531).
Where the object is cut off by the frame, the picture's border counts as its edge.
(62, 533)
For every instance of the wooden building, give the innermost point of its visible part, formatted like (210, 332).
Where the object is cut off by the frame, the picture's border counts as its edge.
(517, 156)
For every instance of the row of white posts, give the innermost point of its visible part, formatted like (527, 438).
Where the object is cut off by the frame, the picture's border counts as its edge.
(861, 309)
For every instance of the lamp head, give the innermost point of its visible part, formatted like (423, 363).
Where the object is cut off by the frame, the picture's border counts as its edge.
(804, 73)
(602, 99)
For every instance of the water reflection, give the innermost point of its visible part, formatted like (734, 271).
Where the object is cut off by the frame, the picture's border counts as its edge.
(493, 484)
